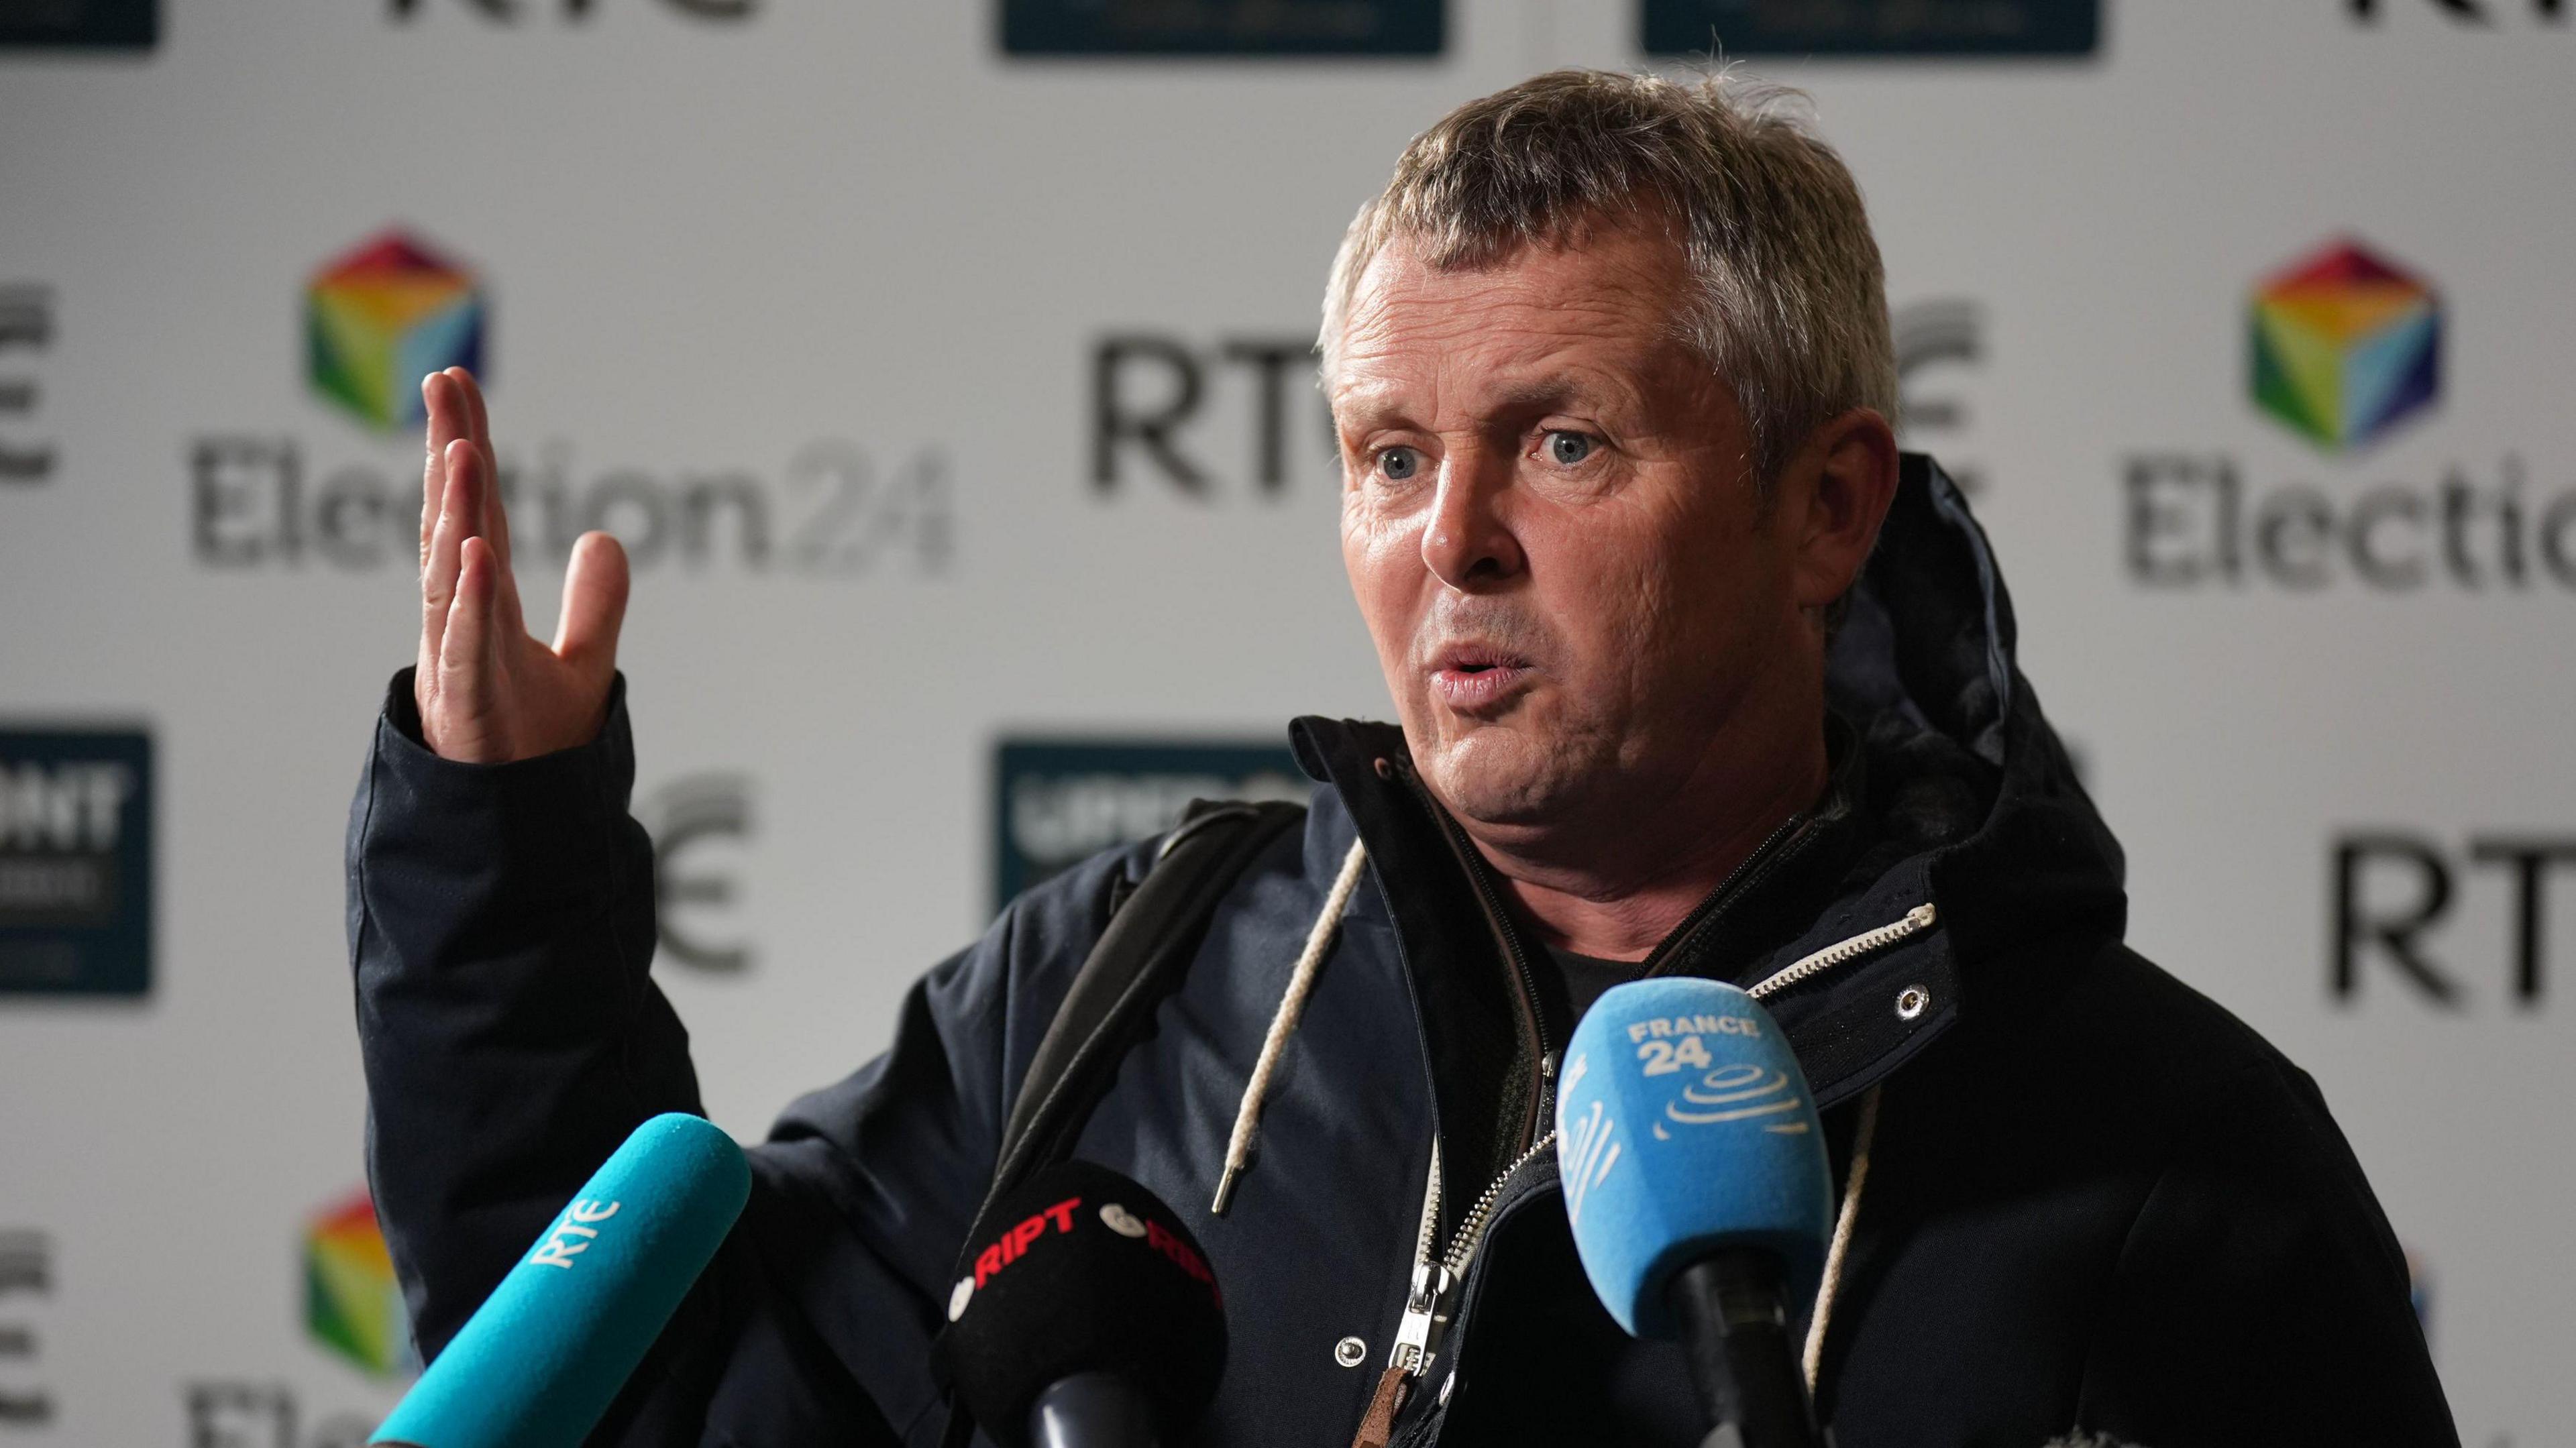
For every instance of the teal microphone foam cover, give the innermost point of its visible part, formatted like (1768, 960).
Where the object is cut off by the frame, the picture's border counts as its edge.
(540, 1361)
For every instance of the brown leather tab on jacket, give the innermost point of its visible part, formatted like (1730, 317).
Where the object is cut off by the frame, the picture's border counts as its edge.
(1379, 1425)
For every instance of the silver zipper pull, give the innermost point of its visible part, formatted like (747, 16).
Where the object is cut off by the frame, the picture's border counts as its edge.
(1417, 1337)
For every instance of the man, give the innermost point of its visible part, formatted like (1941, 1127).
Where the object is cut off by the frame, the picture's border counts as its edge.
(1695, 674)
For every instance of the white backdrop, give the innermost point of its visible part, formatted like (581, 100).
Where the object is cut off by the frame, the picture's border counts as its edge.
(826, 243)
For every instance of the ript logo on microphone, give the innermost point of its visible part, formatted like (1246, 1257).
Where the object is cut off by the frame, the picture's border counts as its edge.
(572, 1233)
(1168, 1242)
(1015, 1243)
(1120, 1220)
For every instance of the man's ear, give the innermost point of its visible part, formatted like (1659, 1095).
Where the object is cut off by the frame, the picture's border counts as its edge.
(1848, 475)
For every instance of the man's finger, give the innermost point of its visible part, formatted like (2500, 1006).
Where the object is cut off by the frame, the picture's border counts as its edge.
(465, 656)
(594, 603)
(496, 521)
(448, 421)
(456, 517)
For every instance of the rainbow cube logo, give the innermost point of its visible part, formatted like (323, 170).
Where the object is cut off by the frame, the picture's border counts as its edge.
(381, 318)
(352, 1305)
(2346, 346)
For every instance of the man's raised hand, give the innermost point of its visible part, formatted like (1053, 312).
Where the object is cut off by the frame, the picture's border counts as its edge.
(488, 692)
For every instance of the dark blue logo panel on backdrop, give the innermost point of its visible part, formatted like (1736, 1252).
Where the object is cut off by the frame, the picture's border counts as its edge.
(1057, 802)
(75, 862)
(80, 24)
(1873, 27)
(1221, 27)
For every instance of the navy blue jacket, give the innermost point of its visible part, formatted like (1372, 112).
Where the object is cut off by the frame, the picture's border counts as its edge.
(2095, 1201)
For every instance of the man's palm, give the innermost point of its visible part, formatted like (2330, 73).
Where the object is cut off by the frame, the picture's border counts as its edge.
(488, 692)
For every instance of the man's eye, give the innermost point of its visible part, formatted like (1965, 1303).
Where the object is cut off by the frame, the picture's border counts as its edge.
(1568, 448)
(1397, 464)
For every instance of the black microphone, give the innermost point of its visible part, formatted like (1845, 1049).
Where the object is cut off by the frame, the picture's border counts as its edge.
(1089, 1318)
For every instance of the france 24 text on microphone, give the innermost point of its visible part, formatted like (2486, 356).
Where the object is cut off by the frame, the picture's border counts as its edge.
(542, 1358)
(1695, 1180)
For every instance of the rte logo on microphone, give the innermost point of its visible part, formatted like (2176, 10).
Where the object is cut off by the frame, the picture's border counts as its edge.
(558, 1249)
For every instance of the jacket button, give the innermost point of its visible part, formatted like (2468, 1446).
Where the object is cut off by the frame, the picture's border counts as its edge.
(1350, 1352)
(1911, 1001)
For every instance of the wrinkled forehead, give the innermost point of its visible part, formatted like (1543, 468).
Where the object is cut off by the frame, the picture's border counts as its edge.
(1598, 317)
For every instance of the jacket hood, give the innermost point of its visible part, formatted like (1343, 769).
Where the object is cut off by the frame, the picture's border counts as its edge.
(1963, 768)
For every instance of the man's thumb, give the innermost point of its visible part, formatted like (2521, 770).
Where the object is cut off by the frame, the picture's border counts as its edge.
(594, 601)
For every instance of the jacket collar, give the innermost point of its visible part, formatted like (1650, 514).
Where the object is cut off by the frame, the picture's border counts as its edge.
(1484, 1029)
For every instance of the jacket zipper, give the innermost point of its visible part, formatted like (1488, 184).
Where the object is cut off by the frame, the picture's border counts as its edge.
(1749, 873)
(1916, 920)
(1436, 1278)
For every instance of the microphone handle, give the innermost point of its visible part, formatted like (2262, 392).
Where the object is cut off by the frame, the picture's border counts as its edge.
(1735, 1331)
(1092, 1410)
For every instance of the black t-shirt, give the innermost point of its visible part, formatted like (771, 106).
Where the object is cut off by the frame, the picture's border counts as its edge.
(1586, 976)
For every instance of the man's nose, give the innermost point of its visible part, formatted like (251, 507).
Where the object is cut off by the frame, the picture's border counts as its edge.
(1468, 541)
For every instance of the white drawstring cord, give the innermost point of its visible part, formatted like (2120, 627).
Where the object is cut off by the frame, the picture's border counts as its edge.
(1301, 981)
(1815, 1356)
(1292, 1005)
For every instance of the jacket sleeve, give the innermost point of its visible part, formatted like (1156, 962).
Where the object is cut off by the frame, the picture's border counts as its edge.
(501, 926)
(2260, 1298)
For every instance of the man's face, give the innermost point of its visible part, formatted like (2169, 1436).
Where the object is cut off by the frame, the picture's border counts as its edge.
(1552, 530)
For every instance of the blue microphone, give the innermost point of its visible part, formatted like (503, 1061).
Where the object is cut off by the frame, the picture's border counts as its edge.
(1695, 1180)
(542, 1358)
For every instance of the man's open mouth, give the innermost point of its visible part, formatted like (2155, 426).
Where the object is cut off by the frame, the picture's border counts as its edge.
(1474, 678)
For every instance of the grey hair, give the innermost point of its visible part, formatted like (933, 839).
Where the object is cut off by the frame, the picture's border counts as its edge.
(1791, 304)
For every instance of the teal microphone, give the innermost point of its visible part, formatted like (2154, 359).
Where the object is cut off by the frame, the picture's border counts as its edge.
(542, 1358)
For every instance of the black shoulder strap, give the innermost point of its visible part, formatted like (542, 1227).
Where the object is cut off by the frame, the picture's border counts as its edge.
(1154, 931)
(1141, 958)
